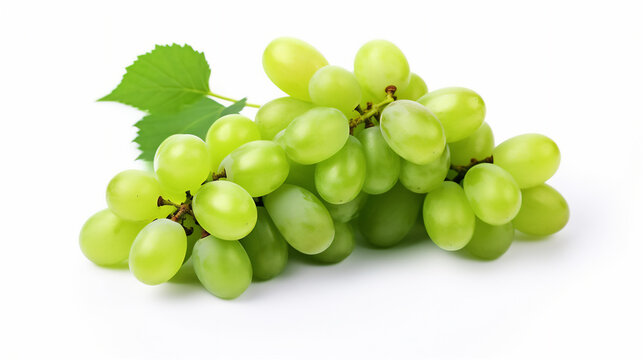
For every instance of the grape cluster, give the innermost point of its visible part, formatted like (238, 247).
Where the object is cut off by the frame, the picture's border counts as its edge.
(371, 149)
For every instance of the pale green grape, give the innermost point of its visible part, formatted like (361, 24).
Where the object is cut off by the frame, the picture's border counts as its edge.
(290, 63)
(133, 195)
(348, 211)
(225, 210)
(424, 178)
(493, 194)
(275, 115)
(490, 241)
(105, 239)
(301, 218)
(158, 252)
(544, 211)
(530, 158)
(378, 64)
(298, 174)
(335, 87)
(339, 179)
(478, 145)
(316, 135)
(414, 90)
(181, 162)
(189, 223)
(412, 131)
(382, 163)
(448, 217)
(342, 245)
(227, 134)
(266, 247)
(223, 267)
(260, 167)
(461, 111)
(387, 218)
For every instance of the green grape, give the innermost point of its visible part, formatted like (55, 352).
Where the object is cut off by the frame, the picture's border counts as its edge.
(316, 135)
(266, 247)
(189, 223)
(348, 211)
(461, 111)
(105, 239)
(158, 252)
(414, 90)
(298, 174)
(290, 63)
(181, 162)
(225, 210)
(387, 218)
(378, 64)
(133, 195)
(412, 131)
(339, 179)
(424, 178)
(530, 158)
(493, 194)
(478, 145)
(275, 115)
(382, 163)
(544, 211)
(223, 267)
(227, 134)
(367, 97)
(335, 87)
(301, 218)
(260, 167)
(448, 217)
(342, 245)
(490, 241)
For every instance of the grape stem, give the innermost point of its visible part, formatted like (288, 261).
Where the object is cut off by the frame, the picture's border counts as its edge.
(219, 175)
(232, 100)
(183, 209)
(373, 109)
(462, 169)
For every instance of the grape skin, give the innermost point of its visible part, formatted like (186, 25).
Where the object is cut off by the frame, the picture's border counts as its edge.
(290, 63)
(158, 252)
(105, 239)
(478, 145)
(530, 158)
(223, 267)
(266, 247)
(227, 134)
(133, 195)
(412, 131)
(333, 86)
(181, 162)
(382, 163)
(460, 110)
(378, 64)
(339, 179)
(493, 194)
(275, 115)
(225, 210)
(448, 218)
(422, 179)
(490, 241)
(341, 247)
(544, 211)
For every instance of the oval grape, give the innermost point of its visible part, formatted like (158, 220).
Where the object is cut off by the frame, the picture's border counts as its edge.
(316, 135)
(266, 247)
(225, 210)
(490, 241)
(339, 179)
(424, 178)
(301, 218)
(461, 111)
(448, 217)
(290, 63)
(530, 158)
(378, 64)
(228, 133)
(382, 163)
(223, 267)
(412, 131)
(342, 245)
(335, 87)
(493, 194)
(414, 90)
(478, 146)
(133, 195)
(544, 211)
(181, 162)
(275, 115)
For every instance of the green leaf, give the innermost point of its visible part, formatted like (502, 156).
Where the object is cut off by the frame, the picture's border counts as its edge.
(164, 80)
(192, 119)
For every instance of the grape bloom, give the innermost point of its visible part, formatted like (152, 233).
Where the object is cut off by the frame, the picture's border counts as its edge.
(368, 150)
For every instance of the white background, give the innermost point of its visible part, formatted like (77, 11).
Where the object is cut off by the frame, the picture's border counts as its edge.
(570, 70)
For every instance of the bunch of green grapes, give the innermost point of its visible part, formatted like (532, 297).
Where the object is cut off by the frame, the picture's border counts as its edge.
(366, 151)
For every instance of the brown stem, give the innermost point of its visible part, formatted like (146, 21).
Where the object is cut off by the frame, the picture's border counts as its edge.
(374, 109)
(462, 169)
(219, 175)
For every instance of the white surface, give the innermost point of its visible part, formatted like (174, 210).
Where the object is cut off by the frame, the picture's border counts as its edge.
(571, 70)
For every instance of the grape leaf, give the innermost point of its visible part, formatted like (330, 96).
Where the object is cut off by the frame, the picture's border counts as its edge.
(192, 119)
(164, 80)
